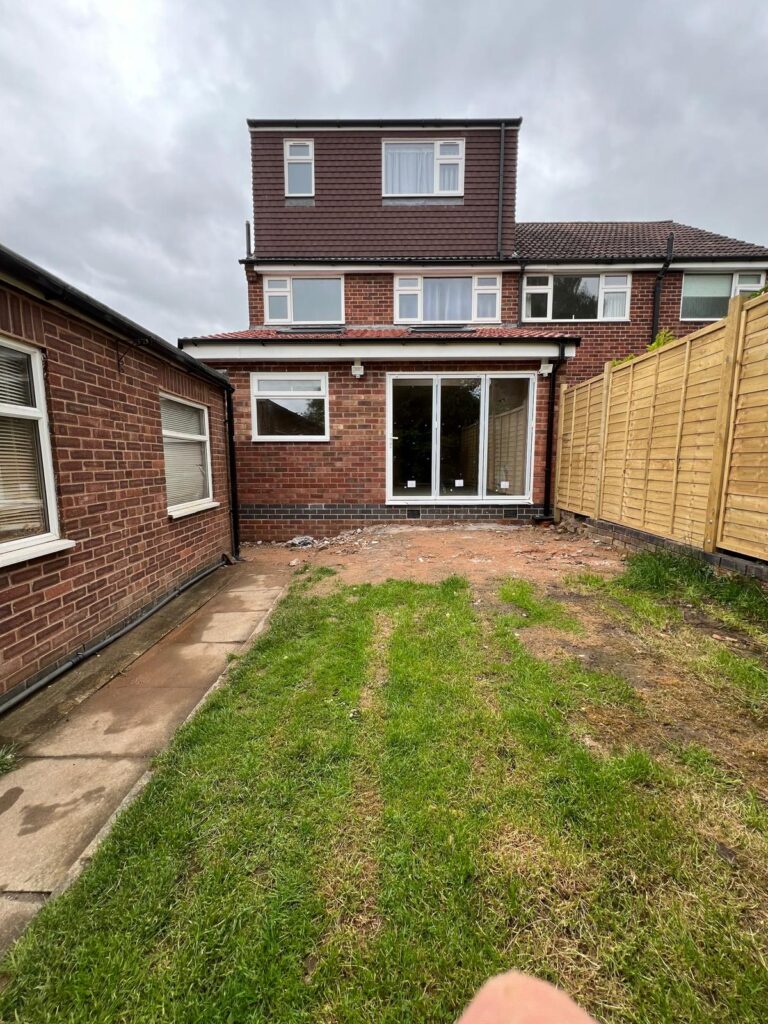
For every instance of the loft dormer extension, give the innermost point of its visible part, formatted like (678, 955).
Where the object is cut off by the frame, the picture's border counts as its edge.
(397, 189)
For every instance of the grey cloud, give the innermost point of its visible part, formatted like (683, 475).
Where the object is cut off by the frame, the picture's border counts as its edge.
(125, 165)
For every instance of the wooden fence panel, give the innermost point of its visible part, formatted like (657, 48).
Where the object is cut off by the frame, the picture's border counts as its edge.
(675, 442)
(579, 444)
(743, 521)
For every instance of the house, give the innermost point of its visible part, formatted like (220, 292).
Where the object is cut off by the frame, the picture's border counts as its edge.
(114, 479)
(407, 335)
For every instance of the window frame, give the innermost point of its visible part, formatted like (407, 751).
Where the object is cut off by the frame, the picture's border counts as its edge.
(437, 192)
(288, 291)
(288, 159)
(30, 547)
(602, 289)
(736, 289)
(483, 498)
(418, 290)
(321, 375)
(187, 508)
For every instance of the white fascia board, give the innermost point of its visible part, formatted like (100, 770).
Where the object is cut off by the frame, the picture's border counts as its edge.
(401, 269)
(322, 351)
(746, 266)
(590, 268)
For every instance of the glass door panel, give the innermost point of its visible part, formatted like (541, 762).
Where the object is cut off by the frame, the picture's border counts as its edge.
(459, 440)
(507, 460)
(412, 420)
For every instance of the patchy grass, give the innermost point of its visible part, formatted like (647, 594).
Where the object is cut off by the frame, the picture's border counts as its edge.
(533, 609)
(7, 759)
(648, 597)
(351, 831)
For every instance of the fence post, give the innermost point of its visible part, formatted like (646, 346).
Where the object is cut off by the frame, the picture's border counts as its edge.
(725, 412)
(558, 462)
(607, 369)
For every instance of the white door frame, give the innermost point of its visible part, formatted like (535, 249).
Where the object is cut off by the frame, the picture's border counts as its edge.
(483, 498)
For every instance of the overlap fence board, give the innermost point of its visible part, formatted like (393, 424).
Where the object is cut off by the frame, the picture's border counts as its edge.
(675, 442)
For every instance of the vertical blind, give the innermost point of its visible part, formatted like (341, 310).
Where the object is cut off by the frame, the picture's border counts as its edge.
(23, 510)
(185, 445)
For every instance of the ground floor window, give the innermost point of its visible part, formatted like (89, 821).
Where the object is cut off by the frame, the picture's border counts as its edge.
(460, 437)
(187, 450)
(27, 494)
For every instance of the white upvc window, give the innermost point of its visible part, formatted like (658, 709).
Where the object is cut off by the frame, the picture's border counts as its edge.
(290, 406)
(570, 296)
(303, 300)
(299, 166)
(706, 296)
(433, 299)
(29, 523)
(418, 168)
(187, 452)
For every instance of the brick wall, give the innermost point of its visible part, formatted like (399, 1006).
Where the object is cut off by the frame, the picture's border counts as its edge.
(108, 458)
(344, 479)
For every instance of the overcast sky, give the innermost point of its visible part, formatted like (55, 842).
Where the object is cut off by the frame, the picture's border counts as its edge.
(124, 165)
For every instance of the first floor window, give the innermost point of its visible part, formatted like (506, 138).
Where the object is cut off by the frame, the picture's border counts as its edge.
(304, 300)
(461, 437)
(423, 168)
(422, 299)
(27, 495)
(186, 445)
(576, 296)
(290, 406)
(706, 296)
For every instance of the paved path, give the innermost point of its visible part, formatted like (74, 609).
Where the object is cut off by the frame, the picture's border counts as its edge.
(86, 742)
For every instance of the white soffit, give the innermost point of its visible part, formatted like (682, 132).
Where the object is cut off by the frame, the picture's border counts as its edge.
(256, 351)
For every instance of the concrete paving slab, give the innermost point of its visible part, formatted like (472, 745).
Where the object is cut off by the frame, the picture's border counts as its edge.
(218, 627)
(255, 601)
(119, 720)
(176, 664)
(50, 810)
(15, 914)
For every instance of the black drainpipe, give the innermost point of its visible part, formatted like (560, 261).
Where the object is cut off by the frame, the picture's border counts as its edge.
(500, 217)
(657, 286)
(548, 509)
(234, 507)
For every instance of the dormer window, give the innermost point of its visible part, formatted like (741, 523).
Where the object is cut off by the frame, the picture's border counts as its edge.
(299, 168)
(303, 300)
(415, 168)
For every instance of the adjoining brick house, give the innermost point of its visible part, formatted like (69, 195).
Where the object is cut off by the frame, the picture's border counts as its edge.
(406, 334)
(114, 479)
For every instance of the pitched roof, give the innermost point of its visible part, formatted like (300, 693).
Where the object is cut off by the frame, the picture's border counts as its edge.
(415, 332)
(601, 241)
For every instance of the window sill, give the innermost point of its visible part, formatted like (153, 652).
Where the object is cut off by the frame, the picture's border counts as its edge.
(455, 500)
(189, 510)
(25, 554)
(291, 440)
(622, 320)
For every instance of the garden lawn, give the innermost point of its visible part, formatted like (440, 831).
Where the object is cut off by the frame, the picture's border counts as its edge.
(388, 803)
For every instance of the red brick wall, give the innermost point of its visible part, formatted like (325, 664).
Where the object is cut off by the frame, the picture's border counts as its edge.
(348, 216)
(108, 457)
(369, 298)
(350, 469)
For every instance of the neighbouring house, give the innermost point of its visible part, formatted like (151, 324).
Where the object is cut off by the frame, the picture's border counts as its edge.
(114, 474)
(407, 334)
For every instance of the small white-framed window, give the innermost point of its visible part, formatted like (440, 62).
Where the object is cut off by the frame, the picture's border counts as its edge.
(28, 513)
(434, 299)
(304, 300)
(187, 452)
(299, 161)
(570, 296)
(705, 296)
(420, 167)
(290, 406)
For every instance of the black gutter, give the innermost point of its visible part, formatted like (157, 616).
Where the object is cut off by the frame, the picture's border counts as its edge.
(51, 287)
(658, 286)
(409, 122)
(87, 652)
(234, 505)
(549, 510)
(500, 216)
(287, 339)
